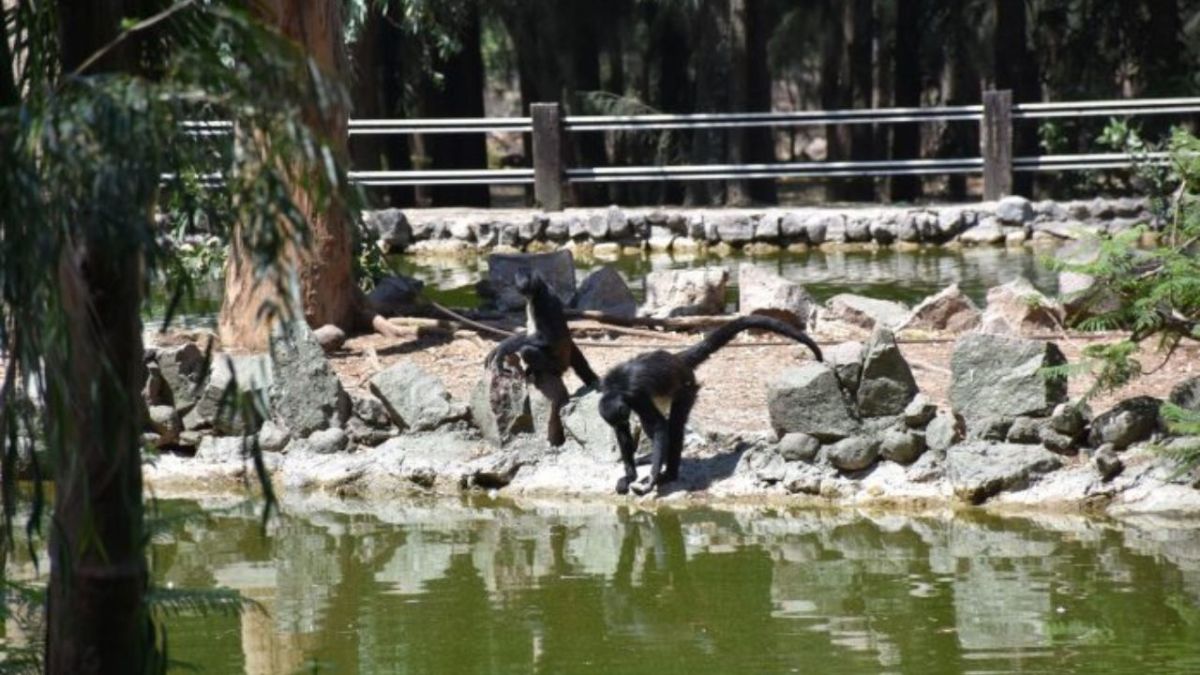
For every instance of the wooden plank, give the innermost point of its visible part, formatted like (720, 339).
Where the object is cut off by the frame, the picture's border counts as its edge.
(547, 155)
(996, 141)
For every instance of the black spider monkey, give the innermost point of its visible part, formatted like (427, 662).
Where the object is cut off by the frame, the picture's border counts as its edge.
(660, 387)
(545, 348)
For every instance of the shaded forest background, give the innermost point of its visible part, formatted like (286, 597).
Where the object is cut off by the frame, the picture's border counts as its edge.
(474, 58)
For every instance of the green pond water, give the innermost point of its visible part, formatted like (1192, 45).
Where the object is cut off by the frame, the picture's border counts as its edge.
(485, 586)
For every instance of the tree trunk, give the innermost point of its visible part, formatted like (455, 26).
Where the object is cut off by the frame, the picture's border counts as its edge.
(760, 141)
(1016, 69)
(674, 84)
(324, 269)
(96, 618)
(712, 67)
(738, 191)
(960, 86)
(587, 147)
(859, 23)
(378, 92)
(906, 137)
(836, 141)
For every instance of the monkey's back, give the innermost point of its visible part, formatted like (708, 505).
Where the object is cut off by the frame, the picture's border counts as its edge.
(655, 374)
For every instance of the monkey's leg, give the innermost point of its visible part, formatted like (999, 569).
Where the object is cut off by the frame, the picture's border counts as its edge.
(616, 414)
(681, 409)
(656, 426)
(552, 388)
(581, 367)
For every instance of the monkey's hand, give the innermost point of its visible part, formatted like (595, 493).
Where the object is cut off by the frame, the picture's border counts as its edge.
(642, 486)
(498, 358)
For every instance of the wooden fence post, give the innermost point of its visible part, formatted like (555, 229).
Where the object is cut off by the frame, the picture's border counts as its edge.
(547, 155)
(996, 144)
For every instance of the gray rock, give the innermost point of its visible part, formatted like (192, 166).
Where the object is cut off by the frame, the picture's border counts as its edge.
(370, 411)
(949, 224)
(887, 384)
(1023, 308)
(981, 470)
(915, 226)
(596, 225)
(821, 227)
(993, 376)
(768, 228)
(272, 437)
(865, 312)
(1078, 210)
(532, 229)
(367, 436)
(1081, 296)
(557, 269)
(558, 227)
(985, 232)
(305, 393)
(1049, 210)
(236, 396)
(733, 228)
(605, 291)
(1128, 207)
(415, 399)
(686, 292)
(583, 423)
(793, 226)
(950, 311)
(1058, 443)
(695, 227)
(618, 223)
(1069, 419)
(929, 467)
(500, 406)
(846, 359)
(326, 441)
(808, 399)
(1061, 229)
(222, 449)
(165, 422)
(461, 229)
(853, 454)
(183, 369)
(396, 296)
(1128, 422)
(943, 431)
(761, 292)
(992, 428)
(902, 446)
(1014, 210)
(330, 337)
(857, 228)
(797, 447)
(1100, 208)
(802, 479)
(1028, 430)
(1107, 462)
(390, 228)
(765, 465)
(1186, 394)
(883, 231)
(495, 470)
(919, 412)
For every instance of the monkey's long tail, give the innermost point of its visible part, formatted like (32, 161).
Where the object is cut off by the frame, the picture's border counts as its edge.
(699, 353)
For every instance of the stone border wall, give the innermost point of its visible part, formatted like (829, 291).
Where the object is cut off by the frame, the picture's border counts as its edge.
(1010, 221)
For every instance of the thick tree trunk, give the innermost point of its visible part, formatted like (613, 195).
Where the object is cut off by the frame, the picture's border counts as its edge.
(1016, 69)
(859, 24)
(836, 139)
(712, 67)
(378, 92)
(674, 85)
(588, 147)
(324, 269)
(760, 141)
(960, 86)
(96, 618)
(906, 138)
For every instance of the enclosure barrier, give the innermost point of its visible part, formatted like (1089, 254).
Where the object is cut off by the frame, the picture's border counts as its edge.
(550, 174)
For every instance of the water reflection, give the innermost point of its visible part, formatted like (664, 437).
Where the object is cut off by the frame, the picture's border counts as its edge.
(460, 587)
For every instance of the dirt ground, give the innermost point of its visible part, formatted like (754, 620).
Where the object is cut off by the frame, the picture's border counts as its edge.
(733, 397)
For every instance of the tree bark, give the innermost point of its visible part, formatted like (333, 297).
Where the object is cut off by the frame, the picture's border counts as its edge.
(858, 26)
(96, 618)
(836, 141)
(760, 141)
(960, 86)
(378, 92)
(906, 137)
(324, 269)
(1015, 68)
(674, 85)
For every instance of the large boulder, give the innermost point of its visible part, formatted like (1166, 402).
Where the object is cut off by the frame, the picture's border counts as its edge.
(761, 292)
(557, 269)
(306, 394)
(902, 446)
(1128, 422)
(980, 470)
(415, 400)
(733, 228)
(605, 291)
(236, 396)
(183, 369)
(390, 228)
(944, 430)
(396, 296)
(846, 358)
(686, 292)
(853, 454)
(864, 312)
(1014, 210)
(500, 406)
(887, 384)
(1017, 308)
(986, 231)
(1081, 296)
(950, 311)
(797, 447)
(583, 424)
(993, 375)
(808, 399)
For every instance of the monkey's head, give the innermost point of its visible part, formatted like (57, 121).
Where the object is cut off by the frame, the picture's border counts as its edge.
(529, 283)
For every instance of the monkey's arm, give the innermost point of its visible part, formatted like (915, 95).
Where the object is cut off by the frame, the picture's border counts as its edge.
(581, 367)
(508, 346)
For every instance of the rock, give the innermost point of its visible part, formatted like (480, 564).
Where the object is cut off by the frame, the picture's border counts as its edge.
(808, 399)
(583, 423)
(1049, 210)
(993, 376)
(865, 312)
(793, 227)
(857, 228)
(1027, 429)
(686, 292)
(414, 399)
(765, 465)
(916, 226)
(222, 449)
(1100, 208)
(819, 227)
(733, 228)
(236, 395)
(1081, 297)
(596, 225)
(987, 231)
(500, 406)
(165, 422)
(396, 296)
(1186, 394)
(390, 228)
(949, 224)
(1014, 210)
(901, 446)
(495, 470)
(853, 454)
(557, 269)
(330, 337)
(761, 292)
(605, 291)
(991, 428)
(887, 385)
(883, 231)
(846, 359)
(461, 229)
(367, 436)
(797, 447)
(661, 239)
(981, 470)
(324, 442)
(370, 411)
(532, 229)
(1128, 422)
(802, 479)
(1069, 419)
(305, 393)
(559, 226)
(1064, 229)
(1056, 442)
(1015, 237)
(1023, 308)
(272, 437)
(919, 412)
(183, 369)
(1107, 462)
(943, 431)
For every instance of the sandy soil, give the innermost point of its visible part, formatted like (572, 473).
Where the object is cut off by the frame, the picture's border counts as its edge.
(733, 397)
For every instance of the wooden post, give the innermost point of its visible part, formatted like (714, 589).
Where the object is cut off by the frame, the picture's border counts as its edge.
(996, 143)
(547, 155)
